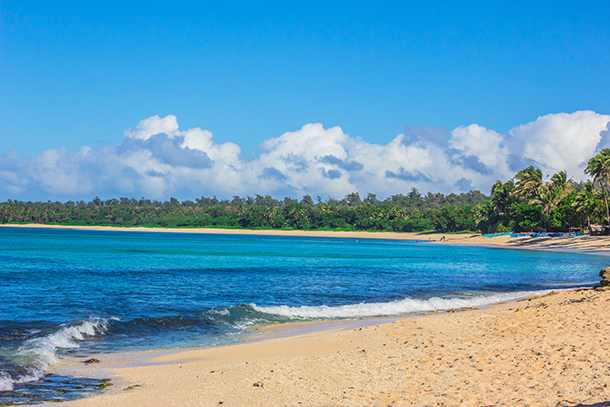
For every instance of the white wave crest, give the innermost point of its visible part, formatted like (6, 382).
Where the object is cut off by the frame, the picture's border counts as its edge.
(224, 312)
(36, 354)
(6, 383)
(406, 306)
(42, 351)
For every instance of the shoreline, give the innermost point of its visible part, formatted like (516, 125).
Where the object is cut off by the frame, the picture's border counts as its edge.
(502, 354)
(581, 244)
(537, 352)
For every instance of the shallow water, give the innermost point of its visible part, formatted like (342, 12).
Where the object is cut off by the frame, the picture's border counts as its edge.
(76, 291)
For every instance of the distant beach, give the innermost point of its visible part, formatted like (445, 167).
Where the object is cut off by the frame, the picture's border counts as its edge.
(586, 243)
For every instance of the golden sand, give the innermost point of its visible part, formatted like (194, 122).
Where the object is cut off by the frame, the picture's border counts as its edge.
(549, 351)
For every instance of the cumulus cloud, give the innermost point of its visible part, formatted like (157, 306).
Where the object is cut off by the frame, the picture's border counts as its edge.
(158, 160)
(560, 141)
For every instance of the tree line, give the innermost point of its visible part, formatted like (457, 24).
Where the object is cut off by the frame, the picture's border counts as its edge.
(531, 202)
(409, 213)
(527, 202)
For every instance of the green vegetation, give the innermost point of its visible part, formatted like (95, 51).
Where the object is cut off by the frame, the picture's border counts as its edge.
(598, 167)
(408, 213)
(528, 202)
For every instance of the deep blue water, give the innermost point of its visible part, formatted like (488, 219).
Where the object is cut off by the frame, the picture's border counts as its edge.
(62, 290)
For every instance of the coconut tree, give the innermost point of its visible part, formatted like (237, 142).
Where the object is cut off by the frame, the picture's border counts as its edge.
(529, 182)
(502, 196)
(561, 182)
(588, 201)
(548, 197)
(551, 193)
(598, 168)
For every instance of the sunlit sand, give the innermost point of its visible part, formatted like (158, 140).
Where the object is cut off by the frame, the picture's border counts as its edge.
(546, 351)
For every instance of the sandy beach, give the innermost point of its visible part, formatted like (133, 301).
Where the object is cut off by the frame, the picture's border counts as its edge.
(542, 352)
(548, 351)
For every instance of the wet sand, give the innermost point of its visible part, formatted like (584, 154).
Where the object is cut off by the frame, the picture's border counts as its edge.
(548, 351)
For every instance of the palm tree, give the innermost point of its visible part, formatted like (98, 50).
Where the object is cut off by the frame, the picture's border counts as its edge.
(551, 193)
(502, 196)
(599, 168)
(561, 181)
(529, 182)
(548, 197)
(588, 201)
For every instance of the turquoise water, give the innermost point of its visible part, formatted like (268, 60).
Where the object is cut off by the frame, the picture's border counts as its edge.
(66, 291)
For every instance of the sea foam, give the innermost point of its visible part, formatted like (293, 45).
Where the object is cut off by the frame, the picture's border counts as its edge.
(406, 306)
(36, 354)
(42, 351)
(6, 383)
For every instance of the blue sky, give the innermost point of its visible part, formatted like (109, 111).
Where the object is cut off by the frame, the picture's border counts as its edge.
(77, 74)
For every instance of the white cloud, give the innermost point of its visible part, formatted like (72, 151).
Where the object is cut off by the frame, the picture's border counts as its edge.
(154, 125)
(486, 145)
(561, 141)
(158, 160)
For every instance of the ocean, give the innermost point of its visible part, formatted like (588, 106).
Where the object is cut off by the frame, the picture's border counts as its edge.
(74, 293)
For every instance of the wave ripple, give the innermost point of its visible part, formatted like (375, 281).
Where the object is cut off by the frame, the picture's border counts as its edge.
(33, 358)
(392, 308)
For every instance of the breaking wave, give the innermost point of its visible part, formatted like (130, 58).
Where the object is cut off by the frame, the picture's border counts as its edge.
(31, 360)
(406, 306)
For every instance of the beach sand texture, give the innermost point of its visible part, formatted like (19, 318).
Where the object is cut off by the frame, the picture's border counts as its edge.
(548, 351)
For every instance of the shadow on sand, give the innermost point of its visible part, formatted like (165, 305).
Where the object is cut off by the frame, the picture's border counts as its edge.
(566, 403)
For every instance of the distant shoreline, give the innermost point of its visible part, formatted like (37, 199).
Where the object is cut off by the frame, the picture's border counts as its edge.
(584, 244)
(255, 232)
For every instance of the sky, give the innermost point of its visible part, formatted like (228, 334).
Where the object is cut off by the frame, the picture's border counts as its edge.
(157, 99)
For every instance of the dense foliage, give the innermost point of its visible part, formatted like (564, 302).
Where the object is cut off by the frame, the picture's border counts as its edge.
(408, 213)
(528, 202)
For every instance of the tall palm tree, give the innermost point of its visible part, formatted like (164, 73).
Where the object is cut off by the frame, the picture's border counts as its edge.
(561, 182)
(551, 193)
(548, 197)
(587, 201)
(502, 196)
(598, 167)
(529, 182)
